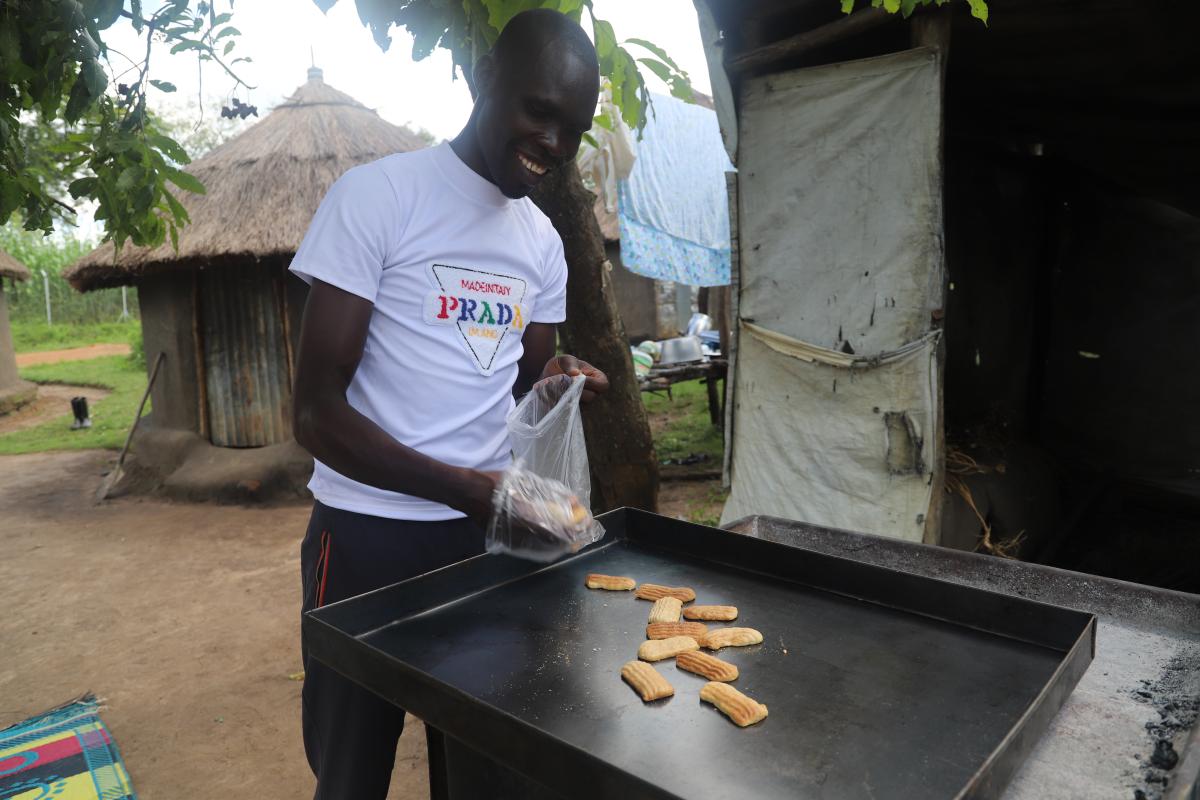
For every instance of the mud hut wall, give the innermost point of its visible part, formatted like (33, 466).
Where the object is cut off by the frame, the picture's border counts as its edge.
(296, 291)
(168, 326)
(636, 298)
(8, 361)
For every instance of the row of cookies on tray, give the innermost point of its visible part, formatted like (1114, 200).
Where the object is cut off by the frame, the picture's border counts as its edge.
(670, 637)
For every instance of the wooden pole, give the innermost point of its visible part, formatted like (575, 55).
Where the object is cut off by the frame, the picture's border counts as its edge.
(198, 350)
(114, 477)
(729, 341)
(844, 28)
(932, 29)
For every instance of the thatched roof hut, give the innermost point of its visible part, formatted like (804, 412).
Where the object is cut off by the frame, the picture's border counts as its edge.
(14, 392)
(223, 309)
(263, 186)
(11, 268)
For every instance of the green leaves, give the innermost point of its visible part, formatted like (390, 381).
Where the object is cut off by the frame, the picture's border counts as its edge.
(979, 8)
(658, 52)
(501, 11)
(186, 182)
(572, 8)
(606, 41)
(81, 187)
(658, 68)
(188, 44)
(77, 101)
(11, 196)
(130, 177)
(629, 89)
(94, 77)
(179, 213)
(69, 135)
(429, 21)
(105, 12)
(65, 139)
(667, 70)
(169, 147)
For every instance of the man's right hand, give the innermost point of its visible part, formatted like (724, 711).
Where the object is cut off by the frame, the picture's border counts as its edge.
(479, 495)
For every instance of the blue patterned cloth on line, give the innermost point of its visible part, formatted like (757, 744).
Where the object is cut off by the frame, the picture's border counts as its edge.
(673, 209)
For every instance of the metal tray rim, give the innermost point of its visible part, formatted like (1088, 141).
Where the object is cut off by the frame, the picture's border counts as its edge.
(988, 781)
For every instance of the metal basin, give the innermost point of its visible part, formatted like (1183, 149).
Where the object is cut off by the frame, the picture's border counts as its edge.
(681, 350)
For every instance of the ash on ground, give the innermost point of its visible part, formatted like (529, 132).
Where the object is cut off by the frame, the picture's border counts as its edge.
(1175, 697)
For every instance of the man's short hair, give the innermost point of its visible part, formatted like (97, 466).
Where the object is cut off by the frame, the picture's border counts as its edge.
(527, 34)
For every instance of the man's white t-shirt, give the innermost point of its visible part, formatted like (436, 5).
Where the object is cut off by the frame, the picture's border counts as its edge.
(456, 271)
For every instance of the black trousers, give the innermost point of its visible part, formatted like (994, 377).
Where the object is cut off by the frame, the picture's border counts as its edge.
(350, 734)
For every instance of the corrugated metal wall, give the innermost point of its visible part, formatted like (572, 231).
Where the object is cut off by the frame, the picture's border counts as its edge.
(248, 382)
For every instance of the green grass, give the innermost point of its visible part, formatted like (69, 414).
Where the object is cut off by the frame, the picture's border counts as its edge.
(111, 416)
(708, 510)
(682, 425)
(33, 336)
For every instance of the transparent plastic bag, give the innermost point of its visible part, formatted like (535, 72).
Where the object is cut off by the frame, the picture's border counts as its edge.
(541, 508)
(538, 518)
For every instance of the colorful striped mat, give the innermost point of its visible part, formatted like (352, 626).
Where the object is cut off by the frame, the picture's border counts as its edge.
(64, 754)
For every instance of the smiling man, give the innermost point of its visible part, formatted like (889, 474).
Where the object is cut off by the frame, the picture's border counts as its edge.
(436, 288)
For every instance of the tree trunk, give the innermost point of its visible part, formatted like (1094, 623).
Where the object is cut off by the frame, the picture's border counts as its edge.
(620, 449)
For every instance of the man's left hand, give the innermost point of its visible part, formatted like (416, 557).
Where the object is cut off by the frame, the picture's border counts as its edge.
(596, 383)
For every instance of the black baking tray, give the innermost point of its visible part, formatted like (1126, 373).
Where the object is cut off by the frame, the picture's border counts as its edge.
(880, 683)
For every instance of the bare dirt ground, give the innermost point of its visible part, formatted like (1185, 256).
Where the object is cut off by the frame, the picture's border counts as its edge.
(184, 618)
(53, 400)
(696, 501)
(72, 354)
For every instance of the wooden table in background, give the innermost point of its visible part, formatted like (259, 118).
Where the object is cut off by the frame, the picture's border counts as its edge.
(662, 378)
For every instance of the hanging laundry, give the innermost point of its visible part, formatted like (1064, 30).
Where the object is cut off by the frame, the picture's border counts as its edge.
(673, 208)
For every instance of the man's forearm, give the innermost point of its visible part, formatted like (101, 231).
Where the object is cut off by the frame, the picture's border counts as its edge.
(525, 381)
(347, 441)
(539, 343)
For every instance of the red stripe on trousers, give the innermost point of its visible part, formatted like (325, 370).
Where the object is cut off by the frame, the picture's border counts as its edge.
(324, 568)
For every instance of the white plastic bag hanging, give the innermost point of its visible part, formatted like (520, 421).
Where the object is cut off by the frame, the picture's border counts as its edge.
(541, 509)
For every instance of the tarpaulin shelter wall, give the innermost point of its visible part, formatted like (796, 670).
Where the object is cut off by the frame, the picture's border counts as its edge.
(1071, 183)
(846, 410)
